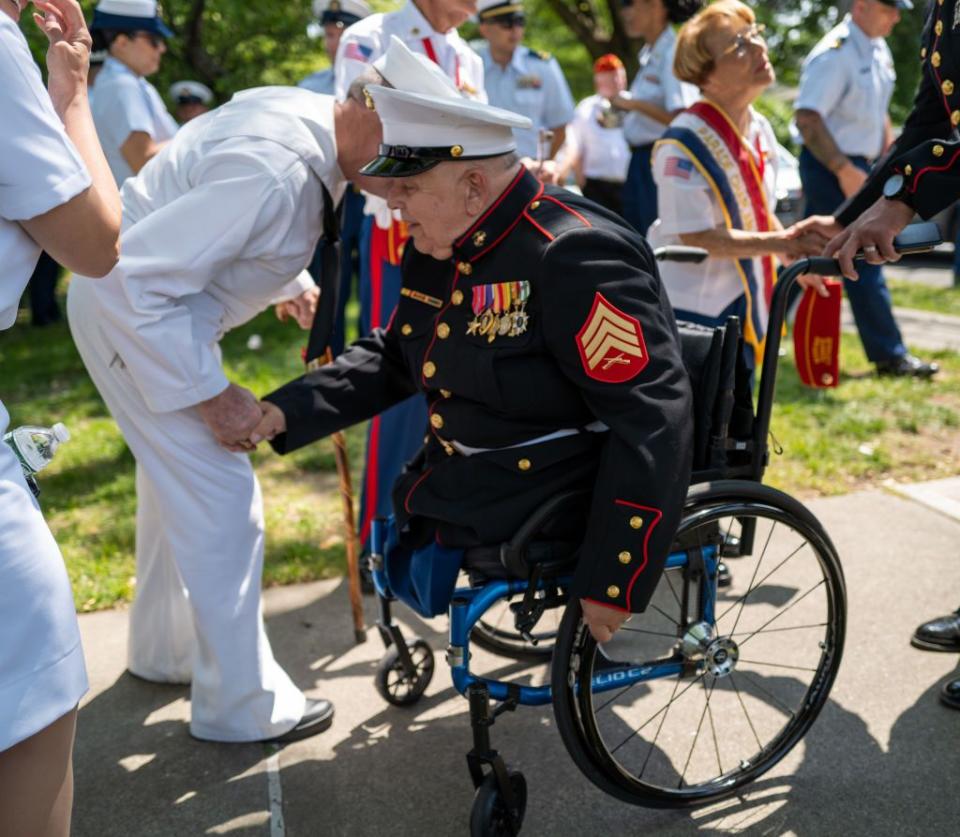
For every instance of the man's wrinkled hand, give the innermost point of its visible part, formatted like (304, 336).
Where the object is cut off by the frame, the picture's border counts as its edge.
(546, 171)
(232, 416)
(602, 621)
(872, 234)
(272, 423)
(824, 225)
(301, 308)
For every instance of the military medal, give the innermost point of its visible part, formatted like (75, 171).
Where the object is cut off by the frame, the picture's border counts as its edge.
(499, 310)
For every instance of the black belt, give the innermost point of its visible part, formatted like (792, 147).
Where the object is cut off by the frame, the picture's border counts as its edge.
(641, 147)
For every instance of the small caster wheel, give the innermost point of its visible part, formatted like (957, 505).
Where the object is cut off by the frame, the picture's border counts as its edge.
(489, 816)
(724, 579)
(398, 686)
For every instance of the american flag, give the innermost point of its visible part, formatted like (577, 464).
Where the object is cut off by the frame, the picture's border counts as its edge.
(358, 52)
(678, 167)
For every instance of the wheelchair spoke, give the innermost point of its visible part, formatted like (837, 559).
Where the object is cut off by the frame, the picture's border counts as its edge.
(676, 598)
(780, 630)
(664, 709)
(775, 665)
(713, 728)
(645, 631)
(663, 719)
(746, 714)
(753, 578)
(792, 604)
(771, 695)
(663, 613)
(693, 745)
(752, 587)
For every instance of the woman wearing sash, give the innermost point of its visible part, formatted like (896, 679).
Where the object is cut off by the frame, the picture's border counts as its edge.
(716, 171)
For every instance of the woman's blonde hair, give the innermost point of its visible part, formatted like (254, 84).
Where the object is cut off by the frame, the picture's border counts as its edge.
(693, 61)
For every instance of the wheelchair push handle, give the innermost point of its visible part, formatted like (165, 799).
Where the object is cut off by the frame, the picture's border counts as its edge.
(680, 253)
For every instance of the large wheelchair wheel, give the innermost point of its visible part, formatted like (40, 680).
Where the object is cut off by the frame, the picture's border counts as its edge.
(746, 681)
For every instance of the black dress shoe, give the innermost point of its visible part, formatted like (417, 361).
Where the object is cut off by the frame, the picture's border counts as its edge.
(907, 366)
(940, 634)
(950, 694)
(317, 717)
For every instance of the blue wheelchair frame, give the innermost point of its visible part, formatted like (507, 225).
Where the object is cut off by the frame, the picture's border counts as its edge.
(469, 604)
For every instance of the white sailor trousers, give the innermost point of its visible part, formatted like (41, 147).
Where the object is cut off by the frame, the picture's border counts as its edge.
(200, 537)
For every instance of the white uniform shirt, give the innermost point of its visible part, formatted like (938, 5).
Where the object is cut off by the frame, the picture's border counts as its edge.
(687, 204)
(656, 83)
(40, 167)
(848, 79)
(323, 82)
(126, 103)
(604, 152)
(532, 84)
(368, 39)
(219, 225)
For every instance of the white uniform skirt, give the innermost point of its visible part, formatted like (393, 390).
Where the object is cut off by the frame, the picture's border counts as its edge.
(42, 673)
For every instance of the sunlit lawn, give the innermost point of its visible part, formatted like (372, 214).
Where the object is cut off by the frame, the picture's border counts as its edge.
(834, 441)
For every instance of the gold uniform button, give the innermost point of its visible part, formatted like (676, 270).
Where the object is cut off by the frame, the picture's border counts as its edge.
(939, 27)
(456, 297)
(624, 557)
(955, 118)
(524, 464)
(479, 237)
(456, 151)
(535, 205)
(446, 393)
(908, 169)
(429, 369)
(947, 87)
(935, 59)
(613, 591)
(923, 52)
(436, 420)
(443, 331)
(937, 151)
(636, 522)
(406, 329)
(465, 268)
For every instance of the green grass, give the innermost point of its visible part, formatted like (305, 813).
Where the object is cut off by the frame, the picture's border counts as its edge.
(859, 434)
(925, 297)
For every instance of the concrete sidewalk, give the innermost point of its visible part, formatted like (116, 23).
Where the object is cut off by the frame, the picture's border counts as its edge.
(882, 759)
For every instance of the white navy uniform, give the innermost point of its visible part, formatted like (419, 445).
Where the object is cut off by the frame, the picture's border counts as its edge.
(848, 79)
(688, 205)
(125, 103)
(532, 84)
(656, 83)
(323, 82)
(42, 673)
(217, 227)
(368, 39)
(604, 152)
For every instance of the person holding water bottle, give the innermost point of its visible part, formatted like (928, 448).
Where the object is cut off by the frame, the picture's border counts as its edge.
(56, 193)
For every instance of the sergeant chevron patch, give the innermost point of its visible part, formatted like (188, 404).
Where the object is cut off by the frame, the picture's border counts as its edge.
(611, 344)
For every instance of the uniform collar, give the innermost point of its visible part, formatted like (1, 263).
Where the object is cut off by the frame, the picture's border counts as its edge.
(499, 219)
(116, 66)
(414, 24)
(663, 42)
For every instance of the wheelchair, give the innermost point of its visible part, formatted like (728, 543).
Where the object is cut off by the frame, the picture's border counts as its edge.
(710, 687)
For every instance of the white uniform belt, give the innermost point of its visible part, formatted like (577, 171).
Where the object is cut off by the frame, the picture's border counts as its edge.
(594, 427)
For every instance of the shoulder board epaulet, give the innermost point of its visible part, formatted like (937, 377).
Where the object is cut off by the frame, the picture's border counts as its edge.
(554, 216)
(543, 55)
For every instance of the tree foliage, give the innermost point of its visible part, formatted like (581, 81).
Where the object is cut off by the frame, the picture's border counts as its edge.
(233, 44)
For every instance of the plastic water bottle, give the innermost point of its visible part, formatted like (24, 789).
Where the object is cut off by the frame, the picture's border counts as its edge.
(35, 446)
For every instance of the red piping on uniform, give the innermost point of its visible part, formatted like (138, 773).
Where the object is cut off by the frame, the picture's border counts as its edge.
(549, 236)
(496, 203)
(414, 487)
(569, 209)
(923, 171)
(500, 238)
(646, 541)
(607, 604)
(936, 70)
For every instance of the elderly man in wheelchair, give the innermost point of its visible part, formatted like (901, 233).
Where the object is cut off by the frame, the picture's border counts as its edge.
(556, 468)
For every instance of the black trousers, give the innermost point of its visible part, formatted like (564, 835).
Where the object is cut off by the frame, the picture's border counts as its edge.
(43, 292)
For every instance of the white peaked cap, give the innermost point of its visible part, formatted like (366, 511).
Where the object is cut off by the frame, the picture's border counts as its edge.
(193, 89)
(357, 8)
(128, 8)
(406, 70)
(420, 131)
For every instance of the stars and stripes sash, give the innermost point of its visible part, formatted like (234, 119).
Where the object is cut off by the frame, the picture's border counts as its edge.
(705, 134)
